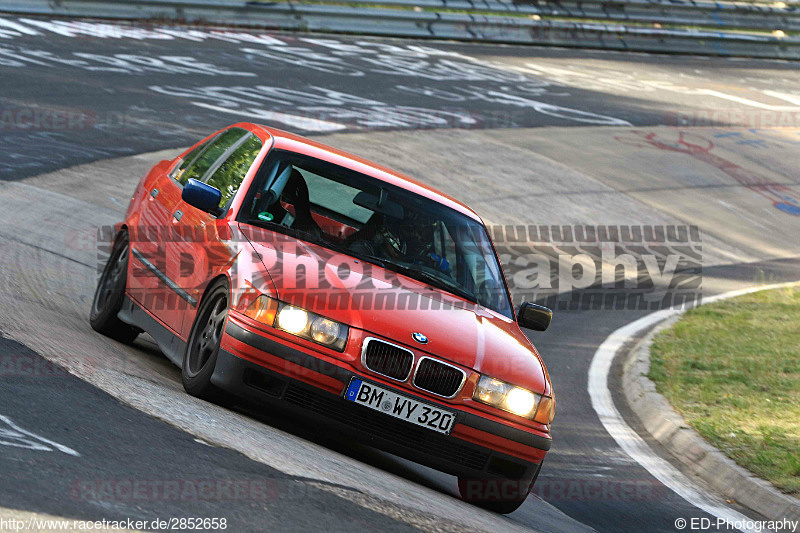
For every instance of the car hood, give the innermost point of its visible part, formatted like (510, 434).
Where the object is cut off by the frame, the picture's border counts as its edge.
(393, 306)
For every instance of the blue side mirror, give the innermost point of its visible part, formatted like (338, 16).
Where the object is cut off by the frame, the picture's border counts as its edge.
(202, 196)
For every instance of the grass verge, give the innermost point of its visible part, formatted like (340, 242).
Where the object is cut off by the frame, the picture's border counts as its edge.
(732, 370)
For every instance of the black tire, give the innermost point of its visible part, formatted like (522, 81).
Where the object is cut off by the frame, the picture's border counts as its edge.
(200, 357)
(110, 292)
(498, 495)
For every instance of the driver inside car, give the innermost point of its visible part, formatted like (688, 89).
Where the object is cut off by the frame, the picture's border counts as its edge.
(410, 240)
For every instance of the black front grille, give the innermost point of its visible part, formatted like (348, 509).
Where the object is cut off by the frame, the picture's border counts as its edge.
(396, 431)
(388, 359)
(438, 378)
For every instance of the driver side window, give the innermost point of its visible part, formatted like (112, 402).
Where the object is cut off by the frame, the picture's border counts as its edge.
(230, 173)
(215, 149)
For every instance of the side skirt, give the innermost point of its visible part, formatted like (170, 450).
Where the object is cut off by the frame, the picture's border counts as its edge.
(169, 343)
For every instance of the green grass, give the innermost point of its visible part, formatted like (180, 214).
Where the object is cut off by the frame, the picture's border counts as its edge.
(732, 369)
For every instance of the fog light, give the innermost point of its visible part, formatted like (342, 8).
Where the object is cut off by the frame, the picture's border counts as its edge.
(292, 319)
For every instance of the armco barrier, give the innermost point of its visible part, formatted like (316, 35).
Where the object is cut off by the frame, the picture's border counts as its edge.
(390, 21)
(739, 15)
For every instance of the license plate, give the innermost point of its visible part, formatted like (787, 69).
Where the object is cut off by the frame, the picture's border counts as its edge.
(400, 406)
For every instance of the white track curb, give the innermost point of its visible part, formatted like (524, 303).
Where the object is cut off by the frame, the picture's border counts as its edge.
(638, 449)
(708, 463)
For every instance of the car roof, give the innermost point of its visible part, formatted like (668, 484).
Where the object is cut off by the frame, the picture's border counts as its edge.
(284, 140)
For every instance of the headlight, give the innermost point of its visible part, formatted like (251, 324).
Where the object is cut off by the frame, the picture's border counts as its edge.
(520, 401)
(292, 319)
(513, 399)
(299, 322)
(325, 330)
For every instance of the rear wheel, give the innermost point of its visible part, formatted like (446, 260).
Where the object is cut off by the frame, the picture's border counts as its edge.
(499, 495)
(200, 357)
(110, 292)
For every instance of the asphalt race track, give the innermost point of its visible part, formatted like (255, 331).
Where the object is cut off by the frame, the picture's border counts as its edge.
(526, 136)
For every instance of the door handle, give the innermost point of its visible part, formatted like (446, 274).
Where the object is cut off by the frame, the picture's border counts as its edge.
(178, 215)
(154, 193)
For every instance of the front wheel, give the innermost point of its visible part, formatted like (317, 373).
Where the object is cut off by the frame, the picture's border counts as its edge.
(110, 292)
(200, 357)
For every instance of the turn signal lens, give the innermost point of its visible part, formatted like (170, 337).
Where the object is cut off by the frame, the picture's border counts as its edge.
(263, 309)
(546, 411)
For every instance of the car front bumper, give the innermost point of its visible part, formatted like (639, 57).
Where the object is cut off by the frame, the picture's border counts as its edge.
(298, 383)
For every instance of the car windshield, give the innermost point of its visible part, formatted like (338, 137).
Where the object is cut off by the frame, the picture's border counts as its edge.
(369, 219)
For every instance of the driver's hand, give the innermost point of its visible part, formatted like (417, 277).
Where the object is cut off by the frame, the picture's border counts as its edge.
(440, 263)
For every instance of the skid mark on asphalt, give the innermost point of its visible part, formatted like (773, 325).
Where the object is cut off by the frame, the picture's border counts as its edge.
(699, 148)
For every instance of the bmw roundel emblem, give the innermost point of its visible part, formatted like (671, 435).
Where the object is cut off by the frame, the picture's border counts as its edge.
(420, 338)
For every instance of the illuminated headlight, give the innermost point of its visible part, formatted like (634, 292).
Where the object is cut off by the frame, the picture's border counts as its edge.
(299, 322)
(312, 326)
(520, 402)
(513, 399)
(292, 319)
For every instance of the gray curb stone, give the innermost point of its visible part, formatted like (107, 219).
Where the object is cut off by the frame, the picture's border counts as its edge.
(686, 445)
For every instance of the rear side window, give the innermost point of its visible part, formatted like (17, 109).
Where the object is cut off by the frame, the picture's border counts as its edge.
(230, 173)
(215, 150)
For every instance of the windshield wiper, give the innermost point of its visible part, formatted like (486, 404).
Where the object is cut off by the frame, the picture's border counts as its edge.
(439, 283)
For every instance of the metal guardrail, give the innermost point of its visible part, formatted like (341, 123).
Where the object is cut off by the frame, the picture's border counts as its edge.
(538, 28)
(740, 15)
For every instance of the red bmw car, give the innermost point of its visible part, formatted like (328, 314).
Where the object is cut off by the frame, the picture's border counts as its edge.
(288, 272)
